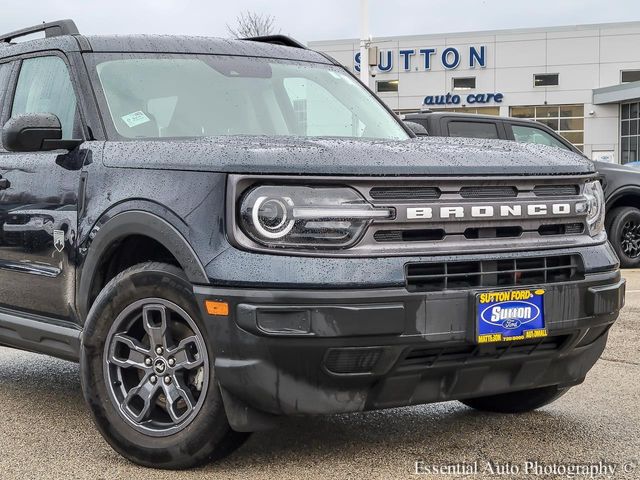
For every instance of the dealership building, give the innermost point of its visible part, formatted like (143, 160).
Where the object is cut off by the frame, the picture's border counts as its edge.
(583, 81)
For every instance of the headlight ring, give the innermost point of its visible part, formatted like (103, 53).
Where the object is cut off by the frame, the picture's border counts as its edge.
(273, 217)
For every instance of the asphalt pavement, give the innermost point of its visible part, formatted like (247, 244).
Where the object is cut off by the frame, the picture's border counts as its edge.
(46, 430)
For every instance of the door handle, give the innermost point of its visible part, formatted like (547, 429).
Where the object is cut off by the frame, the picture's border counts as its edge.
(4, 183)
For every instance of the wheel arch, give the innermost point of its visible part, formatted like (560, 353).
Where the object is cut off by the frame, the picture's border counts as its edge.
(138, 224)
(624, 197)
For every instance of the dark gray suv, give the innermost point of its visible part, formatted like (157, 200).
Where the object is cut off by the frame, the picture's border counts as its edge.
(224, 233)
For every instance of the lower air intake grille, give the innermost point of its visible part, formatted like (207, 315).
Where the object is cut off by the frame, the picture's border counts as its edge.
(433, 277)
(430, 356)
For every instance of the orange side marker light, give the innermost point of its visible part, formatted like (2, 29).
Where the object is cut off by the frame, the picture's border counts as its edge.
(216, 308)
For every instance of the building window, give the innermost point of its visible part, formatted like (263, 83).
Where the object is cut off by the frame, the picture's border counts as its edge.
(464, 83)
(630, 76)
(386, 86)
(567, 120)
(545, 79)
(476, 110)
(629, 132)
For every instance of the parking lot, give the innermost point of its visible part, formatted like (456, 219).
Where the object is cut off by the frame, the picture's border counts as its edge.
(47, 432)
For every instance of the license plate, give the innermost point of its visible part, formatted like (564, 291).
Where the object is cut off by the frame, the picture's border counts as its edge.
(508, 315)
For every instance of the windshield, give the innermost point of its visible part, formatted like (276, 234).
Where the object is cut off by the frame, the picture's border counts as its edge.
(146, 96)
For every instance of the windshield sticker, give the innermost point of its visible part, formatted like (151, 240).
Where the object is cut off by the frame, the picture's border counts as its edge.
(134, 119)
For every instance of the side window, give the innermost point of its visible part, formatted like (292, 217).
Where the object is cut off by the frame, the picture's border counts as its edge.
(524, 134)
(44, 86)
(473, 129)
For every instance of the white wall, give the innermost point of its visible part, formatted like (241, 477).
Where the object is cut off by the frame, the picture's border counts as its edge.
(585, 57)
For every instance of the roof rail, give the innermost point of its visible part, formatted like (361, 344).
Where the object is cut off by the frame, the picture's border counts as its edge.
(277, 40)
(50, 29)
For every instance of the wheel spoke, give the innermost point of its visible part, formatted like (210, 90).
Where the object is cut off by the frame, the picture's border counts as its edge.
(136, 353)
(146, 392)
(174, 393)
(188, 353)
(154, 319)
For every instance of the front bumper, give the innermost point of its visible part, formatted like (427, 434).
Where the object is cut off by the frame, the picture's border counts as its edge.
(302, 352)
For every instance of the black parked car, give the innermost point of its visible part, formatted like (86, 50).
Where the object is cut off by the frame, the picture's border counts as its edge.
(621, 183)
(227, 232)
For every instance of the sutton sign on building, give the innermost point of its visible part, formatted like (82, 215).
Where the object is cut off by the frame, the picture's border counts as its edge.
(449, 58)
(579, 80)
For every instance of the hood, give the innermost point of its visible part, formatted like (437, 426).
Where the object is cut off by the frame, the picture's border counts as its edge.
(332, 156)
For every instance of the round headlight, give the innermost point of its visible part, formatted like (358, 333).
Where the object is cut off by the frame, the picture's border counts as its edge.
(306, 216)
(272, 217)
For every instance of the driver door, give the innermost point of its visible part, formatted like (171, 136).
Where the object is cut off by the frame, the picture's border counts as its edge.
(38, 199)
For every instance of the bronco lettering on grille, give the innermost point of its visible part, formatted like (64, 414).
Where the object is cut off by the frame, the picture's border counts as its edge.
(488, 211)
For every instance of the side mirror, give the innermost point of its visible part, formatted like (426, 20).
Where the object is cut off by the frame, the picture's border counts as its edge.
(416, 128)
(34, 132)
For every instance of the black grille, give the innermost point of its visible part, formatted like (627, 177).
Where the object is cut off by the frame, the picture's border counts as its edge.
(404, 193)
(352, 360)
(555, 190)
(488, 192)
(561, 229)
(493, 232)
(419, 235)
(430, 356)
(430, 277)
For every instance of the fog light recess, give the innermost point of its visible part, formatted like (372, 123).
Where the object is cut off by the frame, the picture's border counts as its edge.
(352, 360)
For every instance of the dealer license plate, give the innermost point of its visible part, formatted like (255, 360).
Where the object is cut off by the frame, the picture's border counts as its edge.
(508, 315)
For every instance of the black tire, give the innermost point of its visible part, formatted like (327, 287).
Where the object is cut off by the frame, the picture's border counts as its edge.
(206, 435)
(517, 402)
(624, 235)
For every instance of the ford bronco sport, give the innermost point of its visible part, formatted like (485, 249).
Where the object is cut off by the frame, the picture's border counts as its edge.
(226, 232)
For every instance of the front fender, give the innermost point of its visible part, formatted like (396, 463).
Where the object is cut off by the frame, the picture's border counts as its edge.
(112, 228)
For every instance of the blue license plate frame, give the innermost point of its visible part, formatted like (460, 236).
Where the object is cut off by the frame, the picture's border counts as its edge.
(510, 315)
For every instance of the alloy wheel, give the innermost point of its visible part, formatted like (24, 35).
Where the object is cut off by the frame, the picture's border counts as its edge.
(156, 367)
(630, 239)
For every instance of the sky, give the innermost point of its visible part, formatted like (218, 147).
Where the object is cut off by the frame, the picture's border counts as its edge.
(320, 20)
